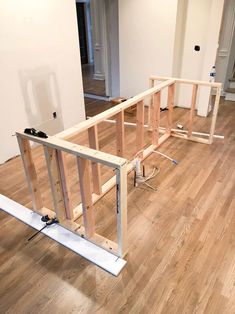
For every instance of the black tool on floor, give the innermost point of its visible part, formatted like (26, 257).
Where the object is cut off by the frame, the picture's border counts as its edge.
(49, 221)
(34, 132)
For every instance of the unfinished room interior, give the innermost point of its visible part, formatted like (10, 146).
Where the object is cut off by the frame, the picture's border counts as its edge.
(117, 154)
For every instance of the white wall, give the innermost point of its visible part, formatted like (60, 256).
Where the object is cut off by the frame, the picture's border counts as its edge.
(40, 68)
(202, 28)
(179, 40)
(158, 37)
(146, 42)
(179, 37)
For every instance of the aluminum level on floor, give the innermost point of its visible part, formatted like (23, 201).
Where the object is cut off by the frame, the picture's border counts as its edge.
(72, 241)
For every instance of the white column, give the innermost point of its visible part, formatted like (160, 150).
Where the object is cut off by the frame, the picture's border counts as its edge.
(98, 37)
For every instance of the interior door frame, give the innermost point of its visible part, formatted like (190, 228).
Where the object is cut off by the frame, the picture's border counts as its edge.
(112, 48)
(109, 21)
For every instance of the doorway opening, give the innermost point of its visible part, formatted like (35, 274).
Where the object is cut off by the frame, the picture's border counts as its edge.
(97, 22)
(92, 42)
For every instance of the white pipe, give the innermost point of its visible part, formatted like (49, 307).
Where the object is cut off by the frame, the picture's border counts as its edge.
(174, 130)
(196, 133)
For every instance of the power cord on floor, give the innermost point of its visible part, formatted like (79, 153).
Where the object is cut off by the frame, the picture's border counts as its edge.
(141, 179)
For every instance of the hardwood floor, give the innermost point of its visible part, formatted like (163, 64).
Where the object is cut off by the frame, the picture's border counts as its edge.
(90, 85)
(94, 106)
(181, 238)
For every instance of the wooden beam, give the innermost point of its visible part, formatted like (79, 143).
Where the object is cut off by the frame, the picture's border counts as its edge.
(121, 174)
(192, 109)
(97, 239)
(214, 114)
(120, 133)
(108, 185)
(140, 126)
(156, 117)
(170, 104)
(53, 169)
(30, 172)
(84, 125)
(77, 150)
(150, 107)
(162, 129)
(84, 155)
(94, 143)
(125, 123)
(185, 81)
(86, 194)
(66, 191)
(192, 138)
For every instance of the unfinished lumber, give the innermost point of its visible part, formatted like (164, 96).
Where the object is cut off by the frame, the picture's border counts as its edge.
(140, 126)
(86, 195)
(108, 185)
(192, 109)
(65, 189)
(218, 87)
(90, 158)
(162, 130)
(170, 105)
(30, 172)
(94, 143)
(84, 125)
(77, 150)
(185, 81)
(191, 138)
(156, 117)
(150, 107)
(53, 169)
(214, 114)
(120, 133)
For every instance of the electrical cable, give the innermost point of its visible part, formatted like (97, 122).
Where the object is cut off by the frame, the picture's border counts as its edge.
(164, 155)
(141, 179)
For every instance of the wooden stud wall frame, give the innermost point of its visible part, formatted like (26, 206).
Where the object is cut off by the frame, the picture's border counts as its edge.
(90, 182)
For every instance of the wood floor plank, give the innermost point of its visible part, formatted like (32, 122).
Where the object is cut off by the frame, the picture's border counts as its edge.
(181, 237)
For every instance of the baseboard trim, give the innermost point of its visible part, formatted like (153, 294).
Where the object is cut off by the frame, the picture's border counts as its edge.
(98, 97)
